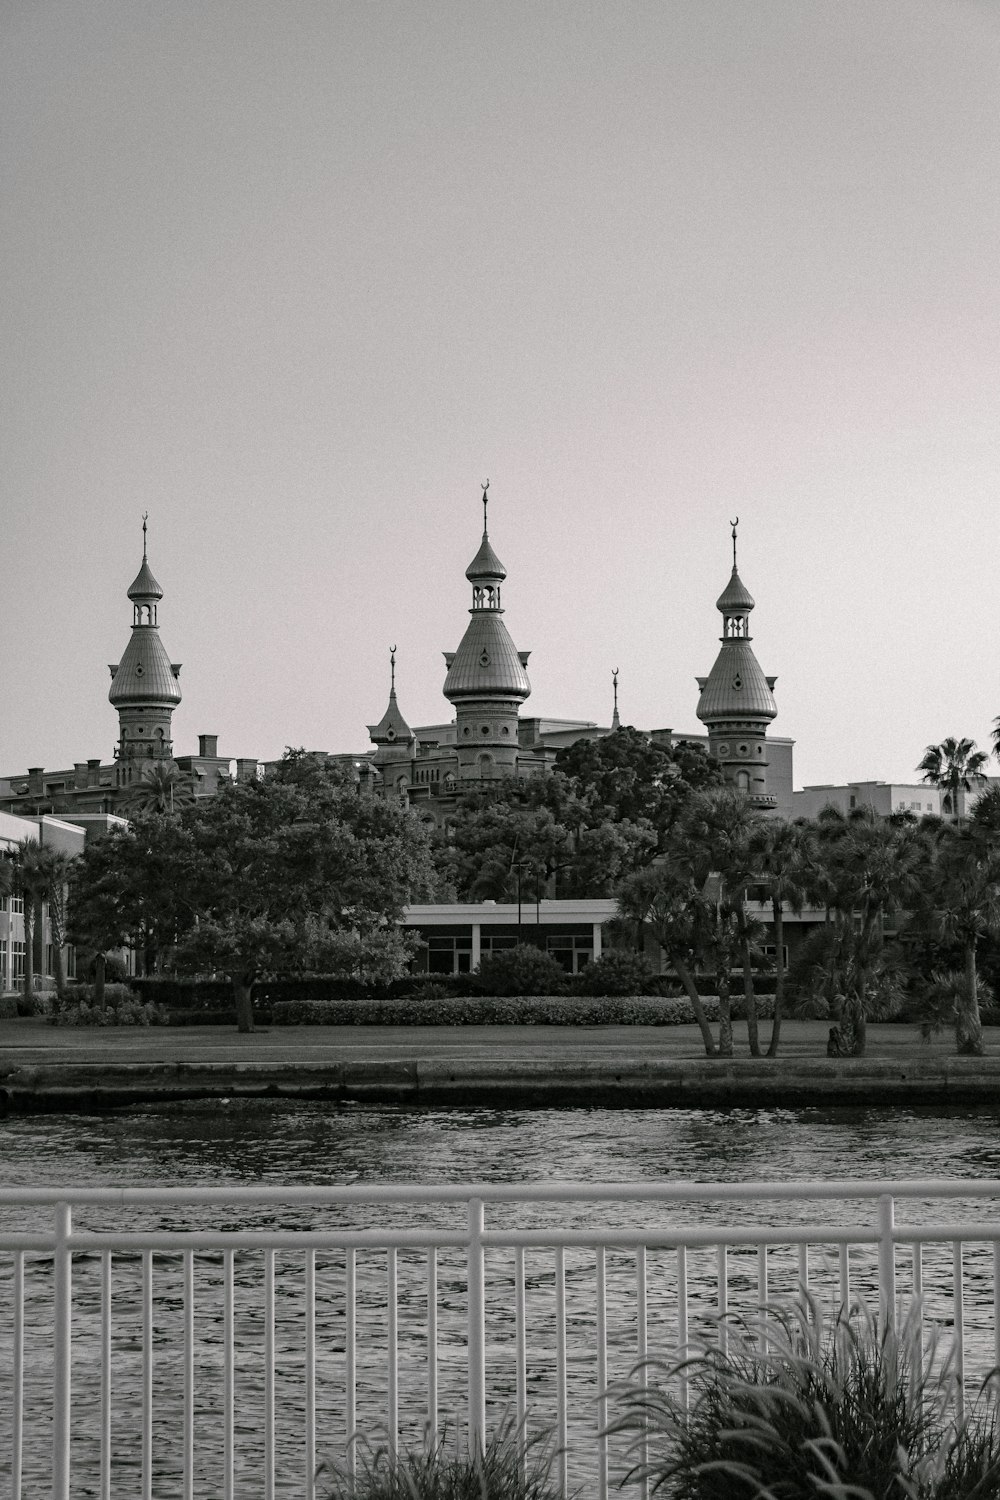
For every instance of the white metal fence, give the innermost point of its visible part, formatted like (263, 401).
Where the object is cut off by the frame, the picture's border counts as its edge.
(150, 1344)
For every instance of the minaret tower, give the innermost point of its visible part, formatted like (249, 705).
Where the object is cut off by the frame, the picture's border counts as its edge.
(144, 686)
(737, 702)
(486, 679)
(392, 738)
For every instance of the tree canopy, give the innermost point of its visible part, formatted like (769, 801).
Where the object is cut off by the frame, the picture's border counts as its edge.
(294, 872)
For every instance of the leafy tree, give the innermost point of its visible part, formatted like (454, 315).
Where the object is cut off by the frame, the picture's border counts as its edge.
(541, 833)
(664, 897)
(954, 766)
(625, 777)
(782, 855)
(99, 919)
(869, 868)
(295, 872)
(718, 839)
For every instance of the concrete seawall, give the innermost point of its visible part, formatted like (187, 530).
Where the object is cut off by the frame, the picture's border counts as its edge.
(548, 1082)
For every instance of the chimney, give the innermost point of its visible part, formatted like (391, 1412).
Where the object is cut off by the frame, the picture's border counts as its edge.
(208, 746)
(35, 780)
(79, 773)
(94, 772)
(246, 768)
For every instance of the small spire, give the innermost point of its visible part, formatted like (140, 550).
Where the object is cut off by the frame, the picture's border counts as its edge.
(615, 721)
(486, 501)
(145, 518)
(734, 525)
(392, 671)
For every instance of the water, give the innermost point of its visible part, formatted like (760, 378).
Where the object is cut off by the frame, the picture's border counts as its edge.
(285, 1142)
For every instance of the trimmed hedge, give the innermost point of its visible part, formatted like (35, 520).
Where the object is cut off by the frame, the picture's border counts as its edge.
(513, 1010)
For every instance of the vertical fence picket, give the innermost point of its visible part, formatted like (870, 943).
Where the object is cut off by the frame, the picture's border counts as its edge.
(996, 1309)
(105, 1459)
(187, 1439)
(229, 1377)
(17, 1379)
(682, 1323)
(310, 1374)
(432, 1343)
(722, 1285)
(561, 1393)
(476, 1337)
(351, 1358)
(845, 1276)
(601, 1297)
(62, 1350)
(521, 1357)
(958, 1303)
(392, 1348)
(147, 1375)
(268, 1375)
(642, 1353)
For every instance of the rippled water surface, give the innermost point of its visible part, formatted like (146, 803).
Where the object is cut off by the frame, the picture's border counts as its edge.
(283, 1142)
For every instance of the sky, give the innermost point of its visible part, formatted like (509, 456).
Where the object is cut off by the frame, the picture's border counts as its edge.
(297, 278)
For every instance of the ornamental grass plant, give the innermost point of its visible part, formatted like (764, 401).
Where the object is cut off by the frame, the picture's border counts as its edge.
(843, 1412)
(443, 1470)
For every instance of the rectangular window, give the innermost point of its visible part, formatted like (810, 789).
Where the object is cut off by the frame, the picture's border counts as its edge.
(71, 962)
(449, 955)
(49, 957)
(770, 949)
(17, 906)
(16, 962)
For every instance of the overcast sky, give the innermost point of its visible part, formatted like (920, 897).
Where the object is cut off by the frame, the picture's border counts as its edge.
(297, 277)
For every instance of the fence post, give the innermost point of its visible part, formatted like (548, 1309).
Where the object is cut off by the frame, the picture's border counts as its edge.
(477, 1330)
(62, 1311)
(886, 1264)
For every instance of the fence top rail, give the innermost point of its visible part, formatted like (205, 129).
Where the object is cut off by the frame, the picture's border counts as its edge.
(525, 1192)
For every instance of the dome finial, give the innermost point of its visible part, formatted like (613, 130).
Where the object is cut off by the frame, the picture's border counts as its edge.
(734, 525)
(486, 501)
(392, 671)
(615, 721)
(145, 518)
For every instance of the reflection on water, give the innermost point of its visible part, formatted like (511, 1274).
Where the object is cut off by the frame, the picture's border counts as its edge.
(285, 1142)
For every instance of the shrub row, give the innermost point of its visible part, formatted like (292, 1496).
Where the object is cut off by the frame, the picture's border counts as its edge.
(509, 1010)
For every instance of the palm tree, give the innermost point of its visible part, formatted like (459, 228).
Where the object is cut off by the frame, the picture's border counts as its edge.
(966, 894)
(784, 854)
(716, 839)
(160, 789)
(954, 766)
(666, 898)
(42, 875)
(31, 884)
(872, 869)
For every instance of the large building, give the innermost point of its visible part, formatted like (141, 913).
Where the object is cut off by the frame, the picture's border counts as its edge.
(485, 737)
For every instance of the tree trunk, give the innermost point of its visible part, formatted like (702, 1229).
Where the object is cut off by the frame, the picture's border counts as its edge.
(968, 1026)
(750, 999)
(243, 990)
(59, 966)
(779, 977)
(691, 990)
(725, 1015)
(29, 946)
(99, 997)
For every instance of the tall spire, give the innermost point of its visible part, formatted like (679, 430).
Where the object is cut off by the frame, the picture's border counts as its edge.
(486, 678)
(616, 723)
(392, 731)
(144, 687)
(736, 701)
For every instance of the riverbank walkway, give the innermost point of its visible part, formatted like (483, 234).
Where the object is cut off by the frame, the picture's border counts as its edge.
(43, 1066)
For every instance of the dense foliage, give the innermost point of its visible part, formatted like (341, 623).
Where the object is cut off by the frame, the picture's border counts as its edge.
(847, 1413)
(289, 873)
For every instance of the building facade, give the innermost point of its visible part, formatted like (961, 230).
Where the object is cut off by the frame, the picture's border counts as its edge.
(486, 737)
